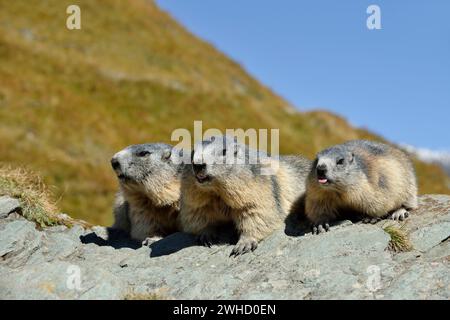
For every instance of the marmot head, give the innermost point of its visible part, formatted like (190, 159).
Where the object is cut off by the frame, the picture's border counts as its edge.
(148, 168)
(335, 168)
(219, 158)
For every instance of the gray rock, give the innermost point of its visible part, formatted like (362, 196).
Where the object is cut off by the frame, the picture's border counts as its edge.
(19, 240)
(352, 261)
(8, 205)
(431, 235)
(431, 223)
(439, 252)
(421, 281)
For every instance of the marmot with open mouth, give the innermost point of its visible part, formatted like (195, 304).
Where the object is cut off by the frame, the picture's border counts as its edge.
(366, 179)
(230, 183)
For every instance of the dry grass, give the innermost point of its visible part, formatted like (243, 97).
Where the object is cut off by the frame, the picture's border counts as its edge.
(144, 296)
(70, 99)
(35, 197)
(399, 239)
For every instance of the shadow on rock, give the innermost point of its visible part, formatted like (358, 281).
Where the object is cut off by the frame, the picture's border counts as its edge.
(172, 243)
(296, 223)
(296, 226)
(226, 234)
(115, 239)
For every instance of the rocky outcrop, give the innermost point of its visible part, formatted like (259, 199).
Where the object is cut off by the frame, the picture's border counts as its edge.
(352, 261)
(8, 205)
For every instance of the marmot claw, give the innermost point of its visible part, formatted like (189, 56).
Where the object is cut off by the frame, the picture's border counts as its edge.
(244, 246)
(206, 239)
(320, 228)
(400, 214)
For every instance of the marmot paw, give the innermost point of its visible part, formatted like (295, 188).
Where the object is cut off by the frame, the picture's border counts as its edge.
(400, 214)
(206, 239)
(371, 220)
(243, 246)
(320, 228)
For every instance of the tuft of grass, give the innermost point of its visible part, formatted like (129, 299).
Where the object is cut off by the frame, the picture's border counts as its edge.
(143, 296)
(36, 200)
(399, 239)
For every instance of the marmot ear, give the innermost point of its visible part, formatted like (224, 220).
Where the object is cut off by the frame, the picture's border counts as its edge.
(166, 154)
(352, 157)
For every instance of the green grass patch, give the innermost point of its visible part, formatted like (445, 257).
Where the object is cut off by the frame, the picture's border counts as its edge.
(399, 239)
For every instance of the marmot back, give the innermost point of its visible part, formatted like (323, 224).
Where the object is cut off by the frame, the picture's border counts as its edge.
(147, 204)
(229, 183)
(369, 179)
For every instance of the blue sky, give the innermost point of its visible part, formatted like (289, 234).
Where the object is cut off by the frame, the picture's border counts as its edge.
(320, 54)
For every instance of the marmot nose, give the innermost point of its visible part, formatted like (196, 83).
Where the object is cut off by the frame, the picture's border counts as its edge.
(199, 167)
(321, 170)
(115, 164)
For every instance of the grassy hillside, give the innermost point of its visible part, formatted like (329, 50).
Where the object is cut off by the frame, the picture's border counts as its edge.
(69, 99)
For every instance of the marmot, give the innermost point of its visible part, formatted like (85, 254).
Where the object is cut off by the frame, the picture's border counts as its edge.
(225, 185)
(147, 204)
(365, 179)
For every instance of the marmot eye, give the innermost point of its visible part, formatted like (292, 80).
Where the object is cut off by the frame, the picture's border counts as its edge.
(143, 153)
(340, 161)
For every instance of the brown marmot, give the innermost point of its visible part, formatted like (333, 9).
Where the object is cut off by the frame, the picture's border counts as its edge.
(147, 204)
(363, 179)
(230, 183)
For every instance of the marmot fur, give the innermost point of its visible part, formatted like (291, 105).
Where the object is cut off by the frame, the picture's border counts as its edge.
(147, 204)
(368, 179)
(226, 185)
